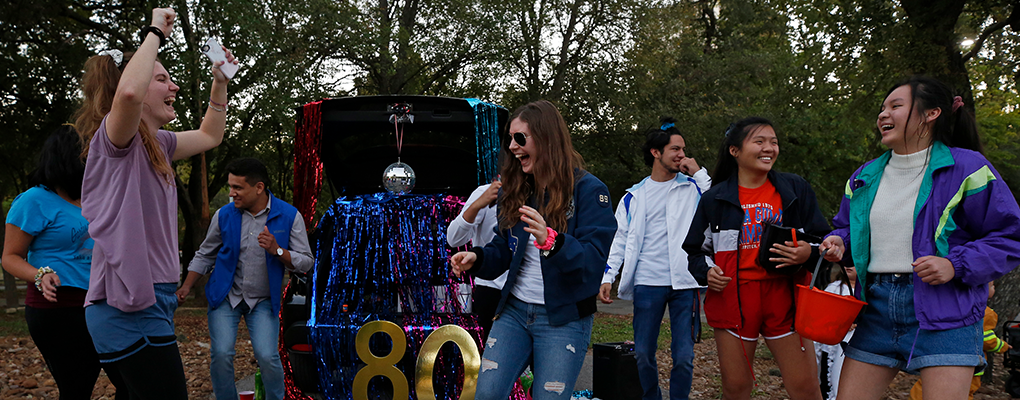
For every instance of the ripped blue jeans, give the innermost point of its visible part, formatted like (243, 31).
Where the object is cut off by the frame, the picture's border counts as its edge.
(522, 335)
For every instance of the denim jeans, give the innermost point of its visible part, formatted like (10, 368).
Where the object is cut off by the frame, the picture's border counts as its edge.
(649, 306)
(264, 331)
(522, 334)
(889, 335)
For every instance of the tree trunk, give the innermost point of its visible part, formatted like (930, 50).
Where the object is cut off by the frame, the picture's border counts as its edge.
(1006, 301)
(934, 24)
(193, 198)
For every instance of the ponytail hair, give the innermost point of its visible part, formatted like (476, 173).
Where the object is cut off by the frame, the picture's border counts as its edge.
(59, 165)
(99, 85)
(955, 125)
(658, 137)
(725, 164)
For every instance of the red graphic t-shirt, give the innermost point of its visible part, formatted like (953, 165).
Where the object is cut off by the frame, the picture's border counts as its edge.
(762, 204)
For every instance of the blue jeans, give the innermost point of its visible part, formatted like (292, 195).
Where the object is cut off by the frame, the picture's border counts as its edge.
(522, 334)
(264, 331)
(649, 306)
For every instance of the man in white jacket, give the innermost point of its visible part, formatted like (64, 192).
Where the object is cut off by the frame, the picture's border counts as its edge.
(475, 223)
(653, 218)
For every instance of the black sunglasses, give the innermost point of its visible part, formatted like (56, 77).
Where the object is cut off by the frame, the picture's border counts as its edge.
(520, 138)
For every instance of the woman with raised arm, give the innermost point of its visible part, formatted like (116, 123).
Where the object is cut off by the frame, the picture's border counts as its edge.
(555, 226)
(927, 225)
(130, 200)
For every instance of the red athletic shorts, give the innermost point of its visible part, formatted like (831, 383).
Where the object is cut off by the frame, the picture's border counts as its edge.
(766, 309)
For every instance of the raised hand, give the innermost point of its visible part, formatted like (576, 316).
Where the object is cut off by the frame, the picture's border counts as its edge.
(688, 166)
(267, 240)
(163, 18)
(536, 223)
(218, 75)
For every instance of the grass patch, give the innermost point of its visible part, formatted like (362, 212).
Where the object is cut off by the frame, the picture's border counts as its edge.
(610, 328)
(707, 332)
(199, 312)
(13, 324)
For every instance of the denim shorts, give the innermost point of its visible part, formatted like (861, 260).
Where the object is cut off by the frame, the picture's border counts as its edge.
(888, 333)
(118, 334)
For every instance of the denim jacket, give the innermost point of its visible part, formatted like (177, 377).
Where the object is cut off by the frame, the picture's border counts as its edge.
(572, 273)
(964, 213)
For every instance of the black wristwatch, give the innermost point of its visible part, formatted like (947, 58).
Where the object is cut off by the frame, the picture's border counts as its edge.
(145, 32)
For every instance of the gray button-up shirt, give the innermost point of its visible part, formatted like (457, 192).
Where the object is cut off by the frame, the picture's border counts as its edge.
(251, 282)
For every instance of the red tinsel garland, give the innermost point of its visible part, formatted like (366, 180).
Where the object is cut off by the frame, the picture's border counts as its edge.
(308, 161)
(290, 388)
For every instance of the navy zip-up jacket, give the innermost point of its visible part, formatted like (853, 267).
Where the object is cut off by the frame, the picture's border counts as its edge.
(572, 273)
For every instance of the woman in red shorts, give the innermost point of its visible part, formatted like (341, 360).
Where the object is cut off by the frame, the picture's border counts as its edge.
(744, 300)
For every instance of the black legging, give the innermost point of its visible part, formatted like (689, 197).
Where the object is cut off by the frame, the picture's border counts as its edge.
(153, 373)
(64, 341)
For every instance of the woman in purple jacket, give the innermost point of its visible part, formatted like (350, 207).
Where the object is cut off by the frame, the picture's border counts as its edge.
(924, 267)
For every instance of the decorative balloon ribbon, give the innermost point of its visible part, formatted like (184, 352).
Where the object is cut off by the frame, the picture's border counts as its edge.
(400, 113)
(399, 131)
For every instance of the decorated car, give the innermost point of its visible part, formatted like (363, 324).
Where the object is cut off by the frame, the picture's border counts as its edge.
(379, 316)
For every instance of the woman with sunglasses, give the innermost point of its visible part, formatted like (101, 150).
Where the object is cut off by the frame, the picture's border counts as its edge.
(555, 226)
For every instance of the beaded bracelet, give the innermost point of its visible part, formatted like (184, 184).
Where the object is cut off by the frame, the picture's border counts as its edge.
(217, 108)
(39, 274)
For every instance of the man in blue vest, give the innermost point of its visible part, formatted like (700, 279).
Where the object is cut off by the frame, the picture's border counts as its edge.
(249, 244)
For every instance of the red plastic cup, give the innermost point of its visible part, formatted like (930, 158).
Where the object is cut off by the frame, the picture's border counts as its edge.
(247, 395)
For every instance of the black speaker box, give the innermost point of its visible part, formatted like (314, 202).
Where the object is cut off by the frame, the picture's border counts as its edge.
(614, 372)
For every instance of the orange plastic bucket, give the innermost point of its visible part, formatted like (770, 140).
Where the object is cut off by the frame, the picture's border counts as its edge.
(824, 317)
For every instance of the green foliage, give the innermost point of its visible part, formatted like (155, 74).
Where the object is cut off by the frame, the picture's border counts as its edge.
(37, 89)
(817, 68)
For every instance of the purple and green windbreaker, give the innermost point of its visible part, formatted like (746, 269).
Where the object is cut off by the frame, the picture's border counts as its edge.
(964, 212)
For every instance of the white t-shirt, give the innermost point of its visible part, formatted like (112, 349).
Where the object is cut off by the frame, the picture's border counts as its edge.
(652, 267)
(530, 286)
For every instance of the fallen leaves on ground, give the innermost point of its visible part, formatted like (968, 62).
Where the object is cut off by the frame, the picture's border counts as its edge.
(24, 374)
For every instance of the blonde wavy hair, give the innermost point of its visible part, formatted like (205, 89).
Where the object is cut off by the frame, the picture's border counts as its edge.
(99, 84)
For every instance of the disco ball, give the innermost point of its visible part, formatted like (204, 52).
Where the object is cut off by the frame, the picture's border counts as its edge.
(398, 178)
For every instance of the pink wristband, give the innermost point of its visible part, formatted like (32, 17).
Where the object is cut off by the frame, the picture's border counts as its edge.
(550, 240)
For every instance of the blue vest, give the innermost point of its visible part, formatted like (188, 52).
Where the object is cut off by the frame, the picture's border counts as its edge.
(280, 220)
